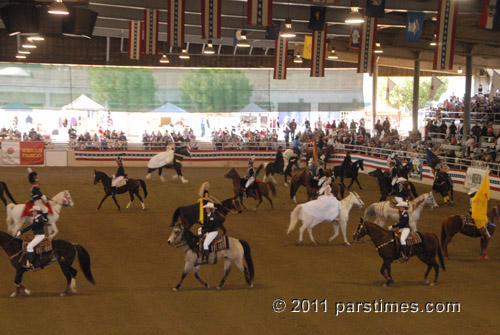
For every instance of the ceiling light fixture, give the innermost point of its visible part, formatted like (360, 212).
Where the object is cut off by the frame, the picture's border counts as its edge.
(184, 54)
(378, 49)
(20, 56)
(434, 41)
(243, 42)
(332, 55)
(209, 50)
(460, 70)
(354, 17)
(35, 38)
(58, 8)
(164, 59)
(28, 45)
(288, 32)
(24, 52)
(298, 59)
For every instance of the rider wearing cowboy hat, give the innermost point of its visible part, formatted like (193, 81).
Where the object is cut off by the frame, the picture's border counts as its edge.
(401, 193)
(210, 228)
(404, 228)
(320, 171)
(119, 175)
(250, 177)
(39, 222)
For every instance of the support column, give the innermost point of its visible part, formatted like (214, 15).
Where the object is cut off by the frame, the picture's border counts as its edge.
(374, 95)
(416, 91)
(468, 93)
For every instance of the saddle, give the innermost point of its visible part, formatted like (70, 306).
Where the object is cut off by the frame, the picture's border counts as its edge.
(412, 239)
(122, 182)
(42, 247)
(29, 205)
(467, 220)
(219, 244)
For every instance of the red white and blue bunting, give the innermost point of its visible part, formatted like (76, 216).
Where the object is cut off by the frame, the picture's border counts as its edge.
(260, 12)
(151, 31)
(176, 15)
(280, 57)
(366, 55)
(445, 33)
(318, 54)
(135, 39)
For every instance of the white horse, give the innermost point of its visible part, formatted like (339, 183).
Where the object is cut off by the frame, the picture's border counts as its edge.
(338, 215)
(15, 221)
(289, 153)
(383, 211)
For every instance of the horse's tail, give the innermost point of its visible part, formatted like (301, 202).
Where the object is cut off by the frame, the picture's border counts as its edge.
(248, 258)
(143, 185)
(294, 218)
(8, 192)
(440, 253)
(272, 187)
(443, 231)
(258, 170)
(175, 217)
(84, 259)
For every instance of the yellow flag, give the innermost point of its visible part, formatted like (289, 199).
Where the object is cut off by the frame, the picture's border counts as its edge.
(308, 42)
(480, 202)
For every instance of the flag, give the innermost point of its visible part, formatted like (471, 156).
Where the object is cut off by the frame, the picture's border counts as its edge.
(176, 10)
(366, 56)
(273, 31)
(432, 159)
(490, 15)
(308, 41)
(210, 19)
(390, 87)
(135, 39)
(480, 202)
(260, 12)
(317, 18)
(280, 53)
(414, 26)
(315, 153)
(495, 84)
(435, 84)
(445, 32)
(151, 31)
(354, 38)
(375, 8)
(318, 55)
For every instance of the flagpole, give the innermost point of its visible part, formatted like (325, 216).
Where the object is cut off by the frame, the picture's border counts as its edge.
(416, 88)
(374, 94)
(468, 84)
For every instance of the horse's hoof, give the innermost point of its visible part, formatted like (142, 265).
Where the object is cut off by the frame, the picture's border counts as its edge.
(427, 282)
(433, 284)
(218, 287)
(175, 289)
(485, 257)
(13, 295)
(63, 294)
(348, 244)
(251, 285)
(207, 286)
(298, 243)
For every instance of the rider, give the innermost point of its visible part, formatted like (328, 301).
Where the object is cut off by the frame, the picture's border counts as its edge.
(346, 164)
(210, 228)
(39, 222)
(311, 167)
(279, 161)
(36, 196)
(118, 176)
(250, 176)
(204, 194)
(444, 168)
(325, 189)
(320, 171)
(404, 228)
(296, 146)
(401, 194)
(472, 193)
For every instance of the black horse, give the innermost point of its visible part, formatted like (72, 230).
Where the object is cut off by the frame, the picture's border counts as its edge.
(132, 187)
(190, 214)
(443, 185)
(179, 154)
(351, 171)
(4, 188)
(404, 171)
(384, 183)
(272, 168)
(62, 252)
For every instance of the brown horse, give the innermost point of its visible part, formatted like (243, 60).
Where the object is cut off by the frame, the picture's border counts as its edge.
(261, 188)
(4, 188)
(453, 224)
(304, 179)
(387, 245)
(327, 151)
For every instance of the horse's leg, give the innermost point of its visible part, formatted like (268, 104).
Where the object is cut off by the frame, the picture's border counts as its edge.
(131, 199)
(179, 173)
(105, 197)
(3, 199)
(269, 199)
(239, 264)
(148, 176)
(17, 282)
(140, 198)
(335, 225)
(70, 274)
(484, 248)
(52, 229)
(301, 233)
(385, 270)
(196, 270)
(357, 181)
(187, 267)
(309, 231)
(260, 201)
(343, 227)
(161, 175)
(116, 202)
(227, 270)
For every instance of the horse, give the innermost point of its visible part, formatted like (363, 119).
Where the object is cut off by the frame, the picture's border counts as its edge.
(384, 183)
(352, 172)
(338, 218)
(190, 214)
(271, 168)
(261, 188)
(443, 186)
(132, 187)
(62, 252)
(15, 219)
(454, 224)
(304, 179)
(383, 210)
(404, 171)
(179, 154)
(238, 251)
(387, 245)
(288, 155)
(326, 151)
(5, 189)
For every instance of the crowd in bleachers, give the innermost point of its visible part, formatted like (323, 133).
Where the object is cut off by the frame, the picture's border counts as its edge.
(265, 139)
(14, 134)
(159, 140)
(103, 140)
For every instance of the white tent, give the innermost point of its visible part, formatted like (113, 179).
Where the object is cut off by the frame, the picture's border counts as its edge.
(252, 108)
(84, 103)
(168, 108)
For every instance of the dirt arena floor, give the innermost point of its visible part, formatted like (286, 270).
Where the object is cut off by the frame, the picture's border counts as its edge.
(135, 270)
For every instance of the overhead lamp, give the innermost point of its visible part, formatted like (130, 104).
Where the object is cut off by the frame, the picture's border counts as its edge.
(28, 45)
(354, 17)
(434, 40)
(209, 50)
(378, 49)
(184, 54)
(58, 8)
(35, 38)
(243, 42)
(460, 70)
(24, 52)
(288, 32)
(164, 59)
(332, 55)
(20, 56)
(298, 59)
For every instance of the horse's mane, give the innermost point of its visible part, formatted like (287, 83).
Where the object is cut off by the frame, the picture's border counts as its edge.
(225, 205)
(191, 239)
(418, 200)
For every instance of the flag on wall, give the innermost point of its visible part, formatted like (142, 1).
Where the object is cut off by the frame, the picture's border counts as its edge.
(22, 153)
(435, 84)
(318, 55)
(176, 10)
(280, 53)
(490, 15)
(210, 19)
(317, 18)
(390, 87)
(135, 39)
(366, 55)
(375, 8)
(308, 41)
(260, 12)
(495, 83)
(151, 31)
(414, 26)
(355, 37)
(480, 202)
(273, 31)
(445, 32)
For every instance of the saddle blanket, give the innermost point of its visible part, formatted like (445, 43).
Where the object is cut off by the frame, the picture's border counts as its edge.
(161, 159)
(219, 244)
(379, 210)
(121, 183)
(413, 238)
(467, 220)
(42, 247)
(29, 205)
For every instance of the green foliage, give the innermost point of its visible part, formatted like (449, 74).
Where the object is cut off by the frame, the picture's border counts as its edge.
(215, 90)
(402, 94)
(126, 89)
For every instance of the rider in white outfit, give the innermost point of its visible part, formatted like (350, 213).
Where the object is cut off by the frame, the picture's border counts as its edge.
(250, 177)
(404, 228)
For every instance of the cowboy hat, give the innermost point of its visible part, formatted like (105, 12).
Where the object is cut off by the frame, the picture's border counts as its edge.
(209, 205)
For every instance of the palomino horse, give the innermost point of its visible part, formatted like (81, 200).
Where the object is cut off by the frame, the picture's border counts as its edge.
(62, 252)
(443, 186)
(237, 253)
(132, 187)
(454, 224)
(339, 218)
(304, 179)
(387, 245)
(351, 172)
(4, 188)
(15, 219)
(261, 188)
(383, 210)
(189, 215)
(179, 154)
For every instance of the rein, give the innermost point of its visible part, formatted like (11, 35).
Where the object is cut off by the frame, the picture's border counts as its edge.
(179, 155)
(384, 244)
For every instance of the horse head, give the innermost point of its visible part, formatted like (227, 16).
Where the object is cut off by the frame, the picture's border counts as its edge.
(360, 164)
(360, 230)
(376, 173)
(183, 151)
(97, 176)
(231, 174)
(176, 235)
(64, 198)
